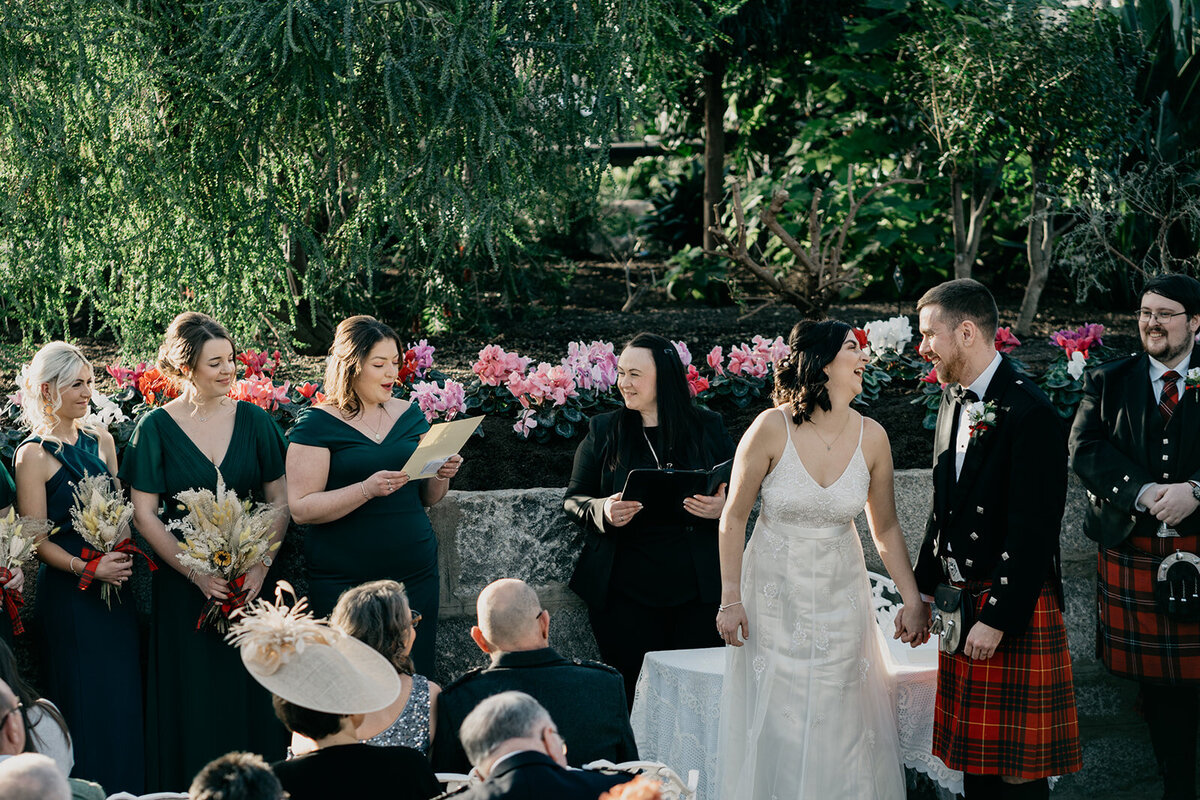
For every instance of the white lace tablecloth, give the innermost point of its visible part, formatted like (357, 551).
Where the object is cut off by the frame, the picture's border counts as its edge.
(676, 706)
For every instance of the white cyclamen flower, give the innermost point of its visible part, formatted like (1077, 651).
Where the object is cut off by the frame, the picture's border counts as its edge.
(107, 412)
(1076, 365)
(891, 334)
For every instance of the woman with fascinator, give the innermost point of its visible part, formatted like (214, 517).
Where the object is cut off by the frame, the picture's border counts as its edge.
(323, 683)
(805, 710)
(649, 585)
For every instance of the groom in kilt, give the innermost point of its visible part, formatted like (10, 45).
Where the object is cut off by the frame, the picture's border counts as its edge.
(1135, 445)
(1005, 708)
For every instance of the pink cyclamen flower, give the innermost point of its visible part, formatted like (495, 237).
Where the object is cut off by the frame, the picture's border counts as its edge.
(437, 401)
(495, 366)
(1006, 342)
(773, 351)
(125, 376)
(744, 361)
(525, 423)
(259, 364)
(592, 366)
(931, 377)
(716, 360)
(260, 391)
(685, 355)
(547, 382)
(696, 383)
(422, 351)
(307, 390)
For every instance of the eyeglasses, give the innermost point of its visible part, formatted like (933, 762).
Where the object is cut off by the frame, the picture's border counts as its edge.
(4, 719)
(416, 618)
(1165, 317)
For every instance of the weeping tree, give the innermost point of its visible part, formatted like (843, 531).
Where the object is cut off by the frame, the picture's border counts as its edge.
(282, 163)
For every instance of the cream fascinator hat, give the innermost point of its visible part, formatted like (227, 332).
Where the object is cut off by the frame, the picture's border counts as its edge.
(307, 662)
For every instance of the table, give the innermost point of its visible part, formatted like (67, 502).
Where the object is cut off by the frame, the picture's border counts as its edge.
(676, 707)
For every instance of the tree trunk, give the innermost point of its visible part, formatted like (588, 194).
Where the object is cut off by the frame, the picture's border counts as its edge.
(1038, 250)
(714, 142)
(967, 217)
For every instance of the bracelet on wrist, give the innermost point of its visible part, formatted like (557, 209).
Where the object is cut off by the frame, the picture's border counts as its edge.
(727, 606)
(71, 565)
(362, 485)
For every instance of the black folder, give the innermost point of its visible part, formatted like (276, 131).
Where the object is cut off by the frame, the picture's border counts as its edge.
(661, 491)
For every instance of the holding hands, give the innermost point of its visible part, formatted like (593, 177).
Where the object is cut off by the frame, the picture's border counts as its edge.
(912, 624)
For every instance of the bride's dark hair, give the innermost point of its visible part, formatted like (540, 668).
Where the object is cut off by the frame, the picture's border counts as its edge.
(800, 378)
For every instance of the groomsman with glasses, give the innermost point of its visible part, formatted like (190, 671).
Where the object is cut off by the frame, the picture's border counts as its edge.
(1135, 445)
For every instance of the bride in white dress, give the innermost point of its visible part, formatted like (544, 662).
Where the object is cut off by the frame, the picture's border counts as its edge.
(806, 711)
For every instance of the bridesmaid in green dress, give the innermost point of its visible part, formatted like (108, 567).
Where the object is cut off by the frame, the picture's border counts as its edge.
(16, 581)
(367, 519)
(200, 702)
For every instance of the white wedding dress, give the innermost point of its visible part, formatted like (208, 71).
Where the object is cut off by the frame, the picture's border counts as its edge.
(806, 711)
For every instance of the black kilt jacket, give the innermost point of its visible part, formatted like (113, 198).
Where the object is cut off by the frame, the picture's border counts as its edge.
(530, 775)
(1119, 443)
(1001, 519)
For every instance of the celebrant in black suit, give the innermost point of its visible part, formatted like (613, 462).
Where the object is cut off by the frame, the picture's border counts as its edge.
(1135, 445)
(1005, 707)
(648, 586)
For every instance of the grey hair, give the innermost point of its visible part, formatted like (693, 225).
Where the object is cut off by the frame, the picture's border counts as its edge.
(56, 364)
(32, 776)
(504, 716)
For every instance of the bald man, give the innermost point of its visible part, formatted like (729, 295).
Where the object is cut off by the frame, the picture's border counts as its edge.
(585, 698)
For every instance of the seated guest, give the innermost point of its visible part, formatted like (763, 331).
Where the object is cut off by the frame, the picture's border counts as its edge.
(32, 776)
(586, 697)
(236, 776)
(515, 747)
(378, 614)
(323, 682)
(44, 724)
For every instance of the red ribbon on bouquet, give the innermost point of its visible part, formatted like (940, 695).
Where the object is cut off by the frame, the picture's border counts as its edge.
(236, 600)
(12, 601)
(91, 559)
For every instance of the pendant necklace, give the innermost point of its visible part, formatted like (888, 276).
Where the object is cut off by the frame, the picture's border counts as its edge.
(375, 431)
(196, 408)
(653, 452)
(829, 445)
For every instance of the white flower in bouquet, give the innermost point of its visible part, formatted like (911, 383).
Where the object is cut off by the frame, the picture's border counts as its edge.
(1076, 364)
(19, 538)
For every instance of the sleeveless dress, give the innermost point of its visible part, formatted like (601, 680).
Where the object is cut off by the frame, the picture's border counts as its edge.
(200, 701)
(806, 711)
(90, 653)
(385, 537)
(411, 727)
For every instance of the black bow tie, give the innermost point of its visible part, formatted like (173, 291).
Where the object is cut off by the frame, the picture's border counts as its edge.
(962, 395)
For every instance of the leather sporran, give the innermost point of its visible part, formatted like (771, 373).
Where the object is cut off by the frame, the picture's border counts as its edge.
(952, 617)
(1177, 586)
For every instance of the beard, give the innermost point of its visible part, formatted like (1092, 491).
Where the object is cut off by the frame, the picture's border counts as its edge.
(1164, 349)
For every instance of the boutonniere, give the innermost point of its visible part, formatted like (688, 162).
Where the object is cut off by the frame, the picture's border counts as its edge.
(1192, 380)
(982, 417)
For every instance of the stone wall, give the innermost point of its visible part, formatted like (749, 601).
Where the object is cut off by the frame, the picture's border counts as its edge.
(524, 534)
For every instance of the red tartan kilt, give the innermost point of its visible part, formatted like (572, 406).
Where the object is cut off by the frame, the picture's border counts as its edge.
(1135, 640)
(1013, 714)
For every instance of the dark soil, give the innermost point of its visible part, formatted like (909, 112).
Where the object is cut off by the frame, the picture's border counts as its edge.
(590, 308)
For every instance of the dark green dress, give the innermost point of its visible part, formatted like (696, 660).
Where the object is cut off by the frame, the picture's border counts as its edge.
(8, 496)
(385, 537)
(200, 701)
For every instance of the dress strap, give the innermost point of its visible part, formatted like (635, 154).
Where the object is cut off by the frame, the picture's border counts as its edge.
(862, 425)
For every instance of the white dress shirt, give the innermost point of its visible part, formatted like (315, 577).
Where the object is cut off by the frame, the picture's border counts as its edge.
(979, 387)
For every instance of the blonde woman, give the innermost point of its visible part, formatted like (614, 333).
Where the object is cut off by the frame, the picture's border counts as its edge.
(367, 519)
(200, 703)
(89, 651)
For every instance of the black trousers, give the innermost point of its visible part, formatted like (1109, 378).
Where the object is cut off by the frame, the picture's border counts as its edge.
(1173, 714)
(627, 629)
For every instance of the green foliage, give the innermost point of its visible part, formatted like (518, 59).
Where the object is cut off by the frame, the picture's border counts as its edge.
(286, 162)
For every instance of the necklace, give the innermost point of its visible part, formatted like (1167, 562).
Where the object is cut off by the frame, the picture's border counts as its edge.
(829, 445)
(653, 452)
(375, 431)
(196, 410)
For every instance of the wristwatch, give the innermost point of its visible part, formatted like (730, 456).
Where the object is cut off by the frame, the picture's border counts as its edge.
(1195, 490)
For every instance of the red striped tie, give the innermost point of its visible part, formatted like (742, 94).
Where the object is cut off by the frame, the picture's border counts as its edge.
(1170, 395)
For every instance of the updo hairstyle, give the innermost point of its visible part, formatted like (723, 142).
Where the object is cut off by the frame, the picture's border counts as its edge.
(374, 613)
(352, 343)
(800, 378)
(57, 365)
(186, 337)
